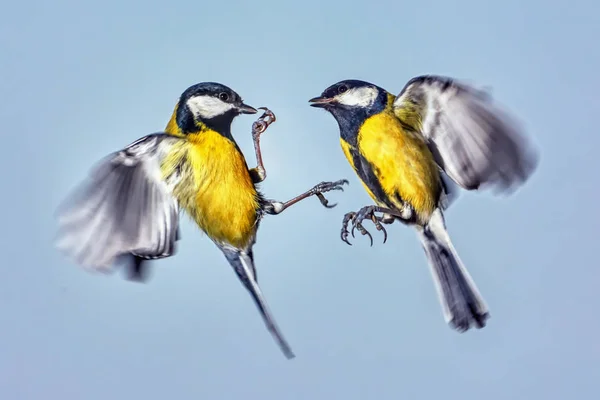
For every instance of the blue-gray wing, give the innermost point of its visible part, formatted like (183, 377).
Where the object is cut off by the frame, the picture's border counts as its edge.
(124, 208)
(473, 141)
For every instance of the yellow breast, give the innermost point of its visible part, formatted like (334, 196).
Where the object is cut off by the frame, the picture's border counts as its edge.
(216, 189)
(348, 153)
(402, 163)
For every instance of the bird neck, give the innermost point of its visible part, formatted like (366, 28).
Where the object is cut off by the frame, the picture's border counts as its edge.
(349, 122)
(351, 119)
(183, 124)
(172, 127)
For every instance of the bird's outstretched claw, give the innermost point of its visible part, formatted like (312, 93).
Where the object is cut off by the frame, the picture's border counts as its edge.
(368, 212)
(324, 187)
(276, 207)
(324, 201)
(357, 218)
(263, 122)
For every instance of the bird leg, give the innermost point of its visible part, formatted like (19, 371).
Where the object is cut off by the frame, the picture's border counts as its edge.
(276, 207)
(368, 212)
(259, 173)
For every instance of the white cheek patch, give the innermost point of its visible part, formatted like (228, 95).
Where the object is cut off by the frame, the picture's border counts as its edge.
(207, 107)
(358, 97)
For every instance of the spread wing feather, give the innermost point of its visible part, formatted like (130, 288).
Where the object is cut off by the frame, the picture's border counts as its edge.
(473, 141)
(123, 208)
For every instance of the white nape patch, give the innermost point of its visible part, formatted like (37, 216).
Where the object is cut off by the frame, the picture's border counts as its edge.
(207, 107)
(358, 97)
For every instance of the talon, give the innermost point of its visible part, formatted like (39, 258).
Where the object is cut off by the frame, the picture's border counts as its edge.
(324, 187)
(368, 212)
(379, 227)
(345, 238)
(338, 185)
(324, 201)
(357, 218)
(328, 186)
(344, 233)
(263, 122)
(268, 116)
(364, 232)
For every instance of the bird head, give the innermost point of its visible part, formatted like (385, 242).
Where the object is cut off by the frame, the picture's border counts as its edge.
(210, 104)
(351, 99)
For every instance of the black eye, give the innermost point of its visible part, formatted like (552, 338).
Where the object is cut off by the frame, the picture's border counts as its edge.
(342, 89)
(223, 96)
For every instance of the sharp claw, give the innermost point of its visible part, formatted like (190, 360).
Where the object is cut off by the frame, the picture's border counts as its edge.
(356, 218)
(345, 239)
(367, 213)
(363, 230)
(366, 232)
(379, 227)
(324, 201)
(344, 234)
(263, 122)
(324, 187)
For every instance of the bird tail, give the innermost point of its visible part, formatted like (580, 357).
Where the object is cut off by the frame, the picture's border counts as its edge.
(461, 302)
(243, 265)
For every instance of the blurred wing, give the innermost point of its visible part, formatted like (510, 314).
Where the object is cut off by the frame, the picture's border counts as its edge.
(124, 207)
(473, 141)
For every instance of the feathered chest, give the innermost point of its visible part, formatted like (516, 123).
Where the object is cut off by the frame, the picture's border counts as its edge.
(215, 187)
(395, 164)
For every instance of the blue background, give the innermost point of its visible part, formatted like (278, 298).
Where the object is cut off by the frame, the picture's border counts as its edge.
(82, 79)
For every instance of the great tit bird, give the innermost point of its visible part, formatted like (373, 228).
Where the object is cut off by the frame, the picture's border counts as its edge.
(128, 208)
(403, 149)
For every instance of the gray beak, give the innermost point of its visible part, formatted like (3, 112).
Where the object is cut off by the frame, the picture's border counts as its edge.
(320, 101)
(246, 109)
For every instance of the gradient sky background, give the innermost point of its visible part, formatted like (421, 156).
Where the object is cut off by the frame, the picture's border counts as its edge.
(80, 80)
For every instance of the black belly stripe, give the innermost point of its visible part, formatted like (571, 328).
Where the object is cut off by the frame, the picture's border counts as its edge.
(366, 172)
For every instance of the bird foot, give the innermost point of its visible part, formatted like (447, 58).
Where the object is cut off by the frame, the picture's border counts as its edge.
(263, 122)
(324, 187)
(367, 212)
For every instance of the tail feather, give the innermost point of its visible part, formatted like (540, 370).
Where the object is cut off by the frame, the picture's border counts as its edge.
(461, 302)
(243, 265)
